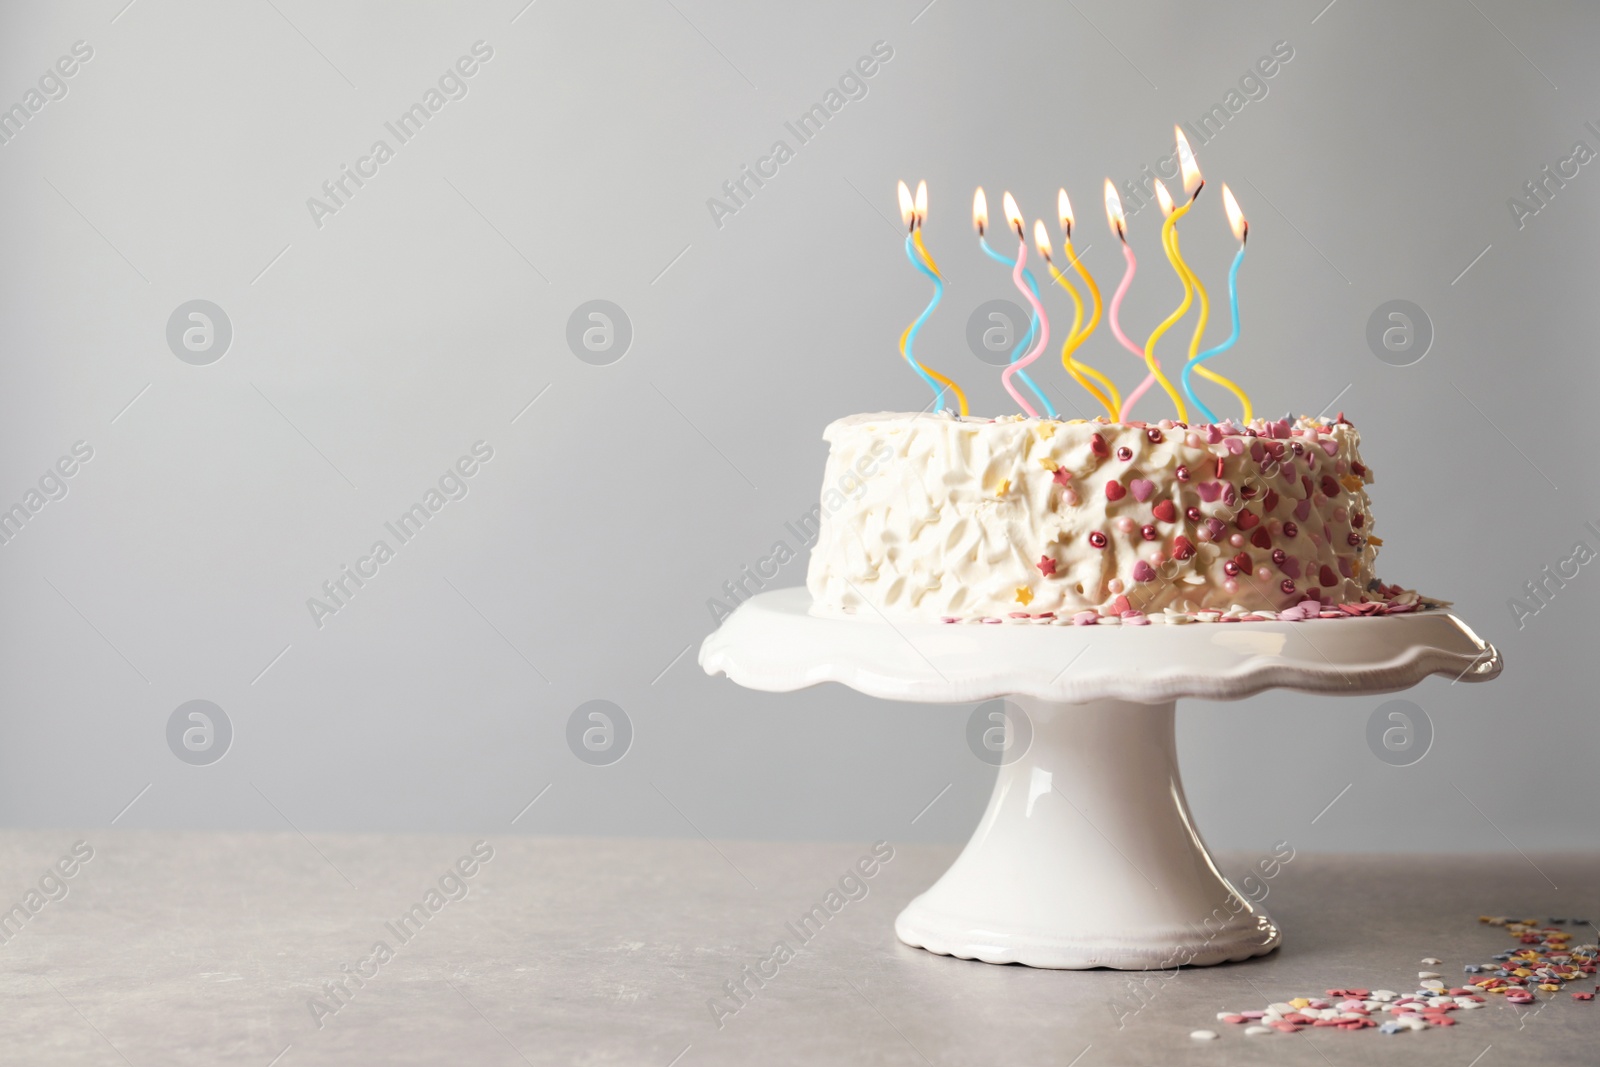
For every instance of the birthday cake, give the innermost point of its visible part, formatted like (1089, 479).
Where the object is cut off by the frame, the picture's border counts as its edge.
(955, 519)
(1039, 519)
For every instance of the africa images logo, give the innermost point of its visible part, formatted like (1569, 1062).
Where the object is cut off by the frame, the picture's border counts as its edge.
(737, 192)
(339, 190)
(453, 485)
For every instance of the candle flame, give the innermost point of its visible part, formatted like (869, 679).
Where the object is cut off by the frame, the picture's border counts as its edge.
(908, 211)
(1236, 219)
(1114, 215)
(980, 211)
(922, 203)
(1163, 198)
(1192, 182)
(1013, 214)
(1041, 238)
(1064, 209)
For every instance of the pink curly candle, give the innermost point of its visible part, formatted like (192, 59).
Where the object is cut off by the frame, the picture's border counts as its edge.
(1119, 226)
(1014, 217)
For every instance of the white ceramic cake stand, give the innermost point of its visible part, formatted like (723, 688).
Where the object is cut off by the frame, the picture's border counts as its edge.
(1087, 855)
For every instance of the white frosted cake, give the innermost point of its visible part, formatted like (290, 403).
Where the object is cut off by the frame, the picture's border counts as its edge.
(938, 517)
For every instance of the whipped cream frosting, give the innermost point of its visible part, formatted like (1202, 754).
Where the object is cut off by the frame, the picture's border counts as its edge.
(1025, 518)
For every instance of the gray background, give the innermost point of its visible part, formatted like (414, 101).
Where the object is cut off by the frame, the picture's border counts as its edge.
(368, 354)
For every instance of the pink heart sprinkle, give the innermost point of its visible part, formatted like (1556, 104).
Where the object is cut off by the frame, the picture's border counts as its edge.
(1235, 446)
(1209, 491)
(1329, 445)
(1302, 510)
(1291, 567)
(1143, 572)
(1142, 488)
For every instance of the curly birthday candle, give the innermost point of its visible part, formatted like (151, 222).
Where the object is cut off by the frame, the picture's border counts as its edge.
(1014, 217)
(909, 337)
(936, 381)
(1119, 226)
(1173, 214)
(931, 269)
(1076, 339)
(1241, 230)
(1041, 241)
(980, 222)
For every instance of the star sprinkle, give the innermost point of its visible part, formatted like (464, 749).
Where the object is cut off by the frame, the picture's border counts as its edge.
(1025, 595)
(1047, 566)
(1062, 476)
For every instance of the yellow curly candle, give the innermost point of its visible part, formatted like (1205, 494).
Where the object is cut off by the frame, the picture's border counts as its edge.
(1173, 214)
(1064, 209)
(1192, 184)
(1042, 241)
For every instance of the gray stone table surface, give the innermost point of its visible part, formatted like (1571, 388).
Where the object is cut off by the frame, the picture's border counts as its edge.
(216, 948)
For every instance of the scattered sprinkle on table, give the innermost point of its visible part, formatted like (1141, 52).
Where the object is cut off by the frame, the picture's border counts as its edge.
(1545, 963)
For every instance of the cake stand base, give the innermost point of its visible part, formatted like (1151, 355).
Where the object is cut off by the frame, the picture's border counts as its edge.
(1087, 856)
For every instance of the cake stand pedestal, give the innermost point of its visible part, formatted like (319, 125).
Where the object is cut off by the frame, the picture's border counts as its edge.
(1087, 855)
